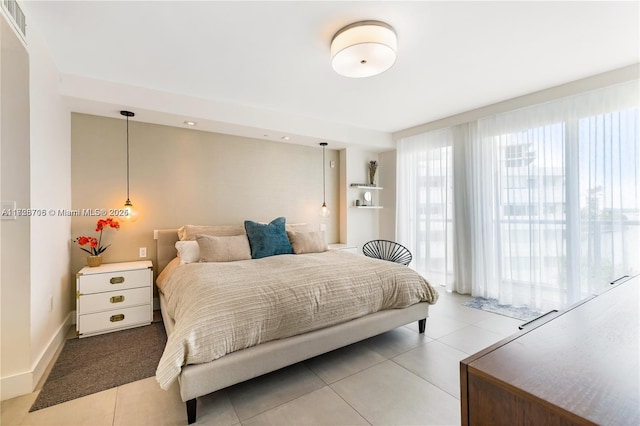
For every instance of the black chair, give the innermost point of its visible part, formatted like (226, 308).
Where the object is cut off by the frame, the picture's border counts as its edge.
(387, 250)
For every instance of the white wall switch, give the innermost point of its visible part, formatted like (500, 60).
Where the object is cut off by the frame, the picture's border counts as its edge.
(143, 252)
(323, 227)
(8, 210)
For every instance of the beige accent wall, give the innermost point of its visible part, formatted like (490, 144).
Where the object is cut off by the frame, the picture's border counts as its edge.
(183, 176)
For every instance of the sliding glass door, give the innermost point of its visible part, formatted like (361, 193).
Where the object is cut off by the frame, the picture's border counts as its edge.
(546, 198)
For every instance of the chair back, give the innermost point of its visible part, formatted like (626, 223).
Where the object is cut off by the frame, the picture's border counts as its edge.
(387, 250)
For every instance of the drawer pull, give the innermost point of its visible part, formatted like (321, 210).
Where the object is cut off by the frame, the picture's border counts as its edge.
(116, 280)
(116, 318)
(116, 299)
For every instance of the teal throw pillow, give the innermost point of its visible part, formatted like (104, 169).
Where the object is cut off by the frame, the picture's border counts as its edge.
(268, 239)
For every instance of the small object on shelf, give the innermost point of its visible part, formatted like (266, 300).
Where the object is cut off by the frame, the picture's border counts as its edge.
(373, 166)
(357, 203)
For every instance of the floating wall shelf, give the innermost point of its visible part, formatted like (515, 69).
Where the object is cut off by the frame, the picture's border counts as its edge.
(361, 186)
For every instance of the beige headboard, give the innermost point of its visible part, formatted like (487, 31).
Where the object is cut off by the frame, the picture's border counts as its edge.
(165, 246)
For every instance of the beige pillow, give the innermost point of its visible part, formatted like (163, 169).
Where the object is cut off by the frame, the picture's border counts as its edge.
(189, 232)
(298, 227)
(223, 249)
(307, 242)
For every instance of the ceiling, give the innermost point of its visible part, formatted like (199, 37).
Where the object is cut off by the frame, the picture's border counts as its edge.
(262, 69)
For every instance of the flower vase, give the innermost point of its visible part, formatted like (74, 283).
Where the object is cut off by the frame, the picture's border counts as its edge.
(372, 174)
(94, 261)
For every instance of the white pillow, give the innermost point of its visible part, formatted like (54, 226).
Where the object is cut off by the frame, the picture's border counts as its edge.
(188, 251)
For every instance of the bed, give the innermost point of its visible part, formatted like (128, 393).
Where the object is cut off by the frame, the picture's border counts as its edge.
(200, 371)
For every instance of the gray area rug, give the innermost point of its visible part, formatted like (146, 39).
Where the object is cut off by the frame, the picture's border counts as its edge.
(492, 305)
(97, 363)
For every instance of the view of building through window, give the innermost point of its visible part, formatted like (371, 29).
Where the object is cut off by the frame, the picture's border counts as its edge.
(565, 203)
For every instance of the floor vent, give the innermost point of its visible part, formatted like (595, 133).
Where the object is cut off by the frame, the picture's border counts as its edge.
(12, 7)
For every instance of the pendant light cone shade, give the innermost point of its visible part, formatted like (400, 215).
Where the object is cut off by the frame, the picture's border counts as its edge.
(324, 210)
(131, 213)
(364, 49)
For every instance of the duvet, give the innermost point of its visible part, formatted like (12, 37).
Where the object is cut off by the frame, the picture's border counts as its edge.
(224, 307)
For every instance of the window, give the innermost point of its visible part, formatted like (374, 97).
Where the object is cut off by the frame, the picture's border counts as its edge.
(609, 197)
(429, 212)
(547, 200)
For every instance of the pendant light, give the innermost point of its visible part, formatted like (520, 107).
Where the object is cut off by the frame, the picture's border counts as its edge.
(132, 214)
(324, 211)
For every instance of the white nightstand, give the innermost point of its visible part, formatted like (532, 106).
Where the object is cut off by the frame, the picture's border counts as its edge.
(345, 247)
(113, 296)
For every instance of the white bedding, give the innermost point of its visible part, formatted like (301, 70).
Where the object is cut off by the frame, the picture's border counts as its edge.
(220, 308)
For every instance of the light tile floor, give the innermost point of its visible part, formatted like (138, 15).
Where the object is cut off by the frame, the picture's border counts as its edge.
(399, 377)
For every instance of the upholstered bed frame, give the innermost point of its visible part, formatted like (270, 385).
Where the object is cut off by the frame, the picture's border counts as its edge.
(202, 379)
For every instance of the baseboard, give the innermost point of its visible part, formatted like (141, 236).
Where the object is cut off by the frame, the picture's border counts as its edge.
(16, 385)
(40, 366)
(24, 383)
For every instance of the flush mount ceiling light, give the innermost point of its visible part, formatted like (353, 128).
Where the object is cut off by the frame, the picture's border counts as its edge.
(363, 49)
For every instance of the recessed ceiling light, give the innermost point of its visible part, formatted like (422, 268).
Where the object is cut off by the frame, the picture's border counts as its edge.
(286, 138)
(190, 123)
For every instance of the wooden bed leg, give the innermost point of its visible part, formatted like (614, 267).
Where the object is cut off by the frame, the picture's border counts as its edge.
(422, 324)
(192, 404)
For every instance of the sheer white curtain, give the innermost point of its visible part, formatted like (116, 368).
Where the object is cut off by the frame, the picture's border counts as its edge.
(425, 203)
(544, 201)
(557, 197)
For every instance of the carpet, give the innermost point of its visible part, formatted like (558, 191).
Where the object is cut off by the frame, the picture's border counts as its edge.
(97, 363)
(492, 305)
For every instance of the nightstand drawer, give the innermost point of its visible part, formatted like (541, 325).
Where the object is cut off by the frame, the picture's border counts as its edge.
(91, 303)
(114, 319)
(114, 281)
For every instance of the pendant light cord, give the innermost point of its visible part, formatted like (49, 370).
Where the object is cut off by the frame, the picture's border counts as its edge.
(127, 158)
(127, 114)
(324, 201)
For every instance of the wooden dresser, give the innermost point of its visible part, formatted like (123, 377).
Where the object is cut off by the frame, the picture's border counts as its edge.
(577, 367)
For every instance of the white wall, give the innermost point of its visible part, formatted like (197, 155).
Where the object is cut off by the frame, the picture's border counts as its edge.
(387, 221)
(15, 275)
(35, 291)
(357, 226)
(50, 189)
